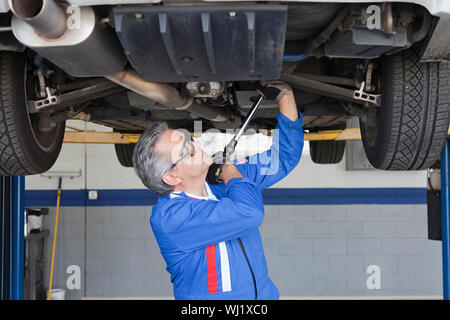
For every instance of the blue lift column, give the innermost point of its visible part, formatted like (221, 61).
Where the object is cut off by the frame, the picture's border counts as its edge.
(18, 237)
(445, 217)
(12, 237)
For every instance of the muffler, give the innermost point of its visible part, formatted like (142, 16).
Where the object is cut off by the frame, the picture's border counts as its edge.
(87, 49)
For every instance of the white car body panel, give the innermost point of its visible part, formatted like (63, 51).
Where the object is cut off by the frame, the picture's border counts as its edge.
(4, 6)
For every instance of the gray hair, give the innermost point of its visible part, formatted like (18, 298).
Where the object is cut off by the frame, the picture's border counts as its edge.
(150, 166)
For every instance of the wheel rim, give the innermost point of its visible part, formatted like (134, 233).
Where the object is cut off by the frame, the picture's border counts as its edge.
(47, 140)
(370, 128)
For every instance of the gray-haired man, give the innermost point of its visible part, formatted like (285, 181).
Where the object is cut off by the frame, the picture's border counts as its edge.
(208, 234)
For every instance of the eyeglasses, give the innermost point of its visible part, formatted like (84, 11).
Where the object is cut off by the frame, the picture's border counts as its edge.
(188, 150)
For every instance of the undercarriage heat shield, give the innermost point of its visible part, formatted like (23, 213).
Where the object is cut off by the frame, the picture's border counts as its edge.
(207, 43)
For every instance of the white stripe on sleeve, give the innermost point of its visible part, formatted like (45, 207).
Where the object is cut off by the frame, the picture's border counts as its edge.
(224, 267)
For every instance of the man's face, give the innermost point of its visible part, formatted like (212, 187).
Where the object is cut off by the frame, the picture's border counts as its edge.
(190, 159)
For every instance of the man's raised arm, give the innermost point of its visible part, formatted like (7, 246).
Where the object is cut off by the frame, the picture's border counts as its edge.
(269, 167)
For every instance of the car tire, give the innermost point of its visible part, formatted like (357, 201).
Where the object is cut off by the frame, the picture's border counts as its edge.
(327, 151)
(410, 128)
(124, 153)
(24, 148)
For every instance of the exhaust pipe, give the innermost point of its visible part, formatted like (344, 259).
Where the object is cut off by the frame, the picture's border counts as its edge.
(159, 92)
(167, 95)
(45, 16)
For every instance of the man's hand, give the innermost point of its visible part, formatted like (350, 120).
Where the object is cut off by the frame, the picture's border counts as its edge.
(282, 93)
(220, 170)
(275, 90)
(229, 171)
(215, 169)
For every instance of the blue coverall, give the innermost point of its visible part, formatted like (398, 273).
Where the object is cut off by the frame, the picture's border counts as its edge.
(212, 246)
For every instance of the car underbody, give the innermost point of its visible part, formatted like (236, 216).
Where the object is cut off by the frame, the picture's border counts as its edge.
(125, 65)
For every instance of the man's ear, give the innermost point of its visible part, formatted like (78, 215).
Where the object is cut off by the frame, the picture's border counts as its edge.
(171, 179)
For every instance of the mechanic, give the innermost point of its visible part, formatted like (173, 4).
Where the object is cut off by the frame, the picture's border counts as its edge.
(208, 234)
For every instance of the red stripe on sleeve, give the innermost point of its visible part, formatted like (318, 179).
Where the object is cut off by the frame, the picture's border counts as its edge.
(211, 267)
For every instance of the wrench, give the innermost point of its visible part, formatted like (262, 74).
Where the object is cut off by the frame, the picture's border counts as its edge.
(216, 168)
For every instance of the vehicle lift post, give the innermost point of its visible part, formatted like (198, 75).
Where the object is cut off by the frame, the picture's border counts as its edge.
(18, 249)
(12, 237)
(445, 218)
